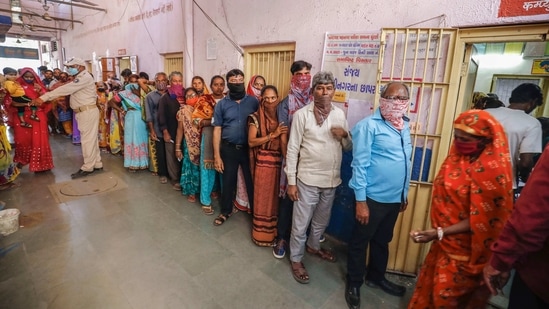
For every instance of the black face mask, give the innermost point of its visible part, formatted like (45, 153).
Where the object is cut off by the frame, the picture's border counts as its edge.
(101, 89)
(236, 91)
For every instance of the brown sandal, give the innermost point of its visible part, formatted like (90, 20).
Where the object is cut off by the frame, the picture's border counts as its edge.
(299, 272)
(325, 254)
(220, 219)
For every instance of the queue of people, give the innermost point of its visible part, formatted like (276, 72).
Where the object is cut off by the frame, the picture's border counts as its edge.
(280, 160)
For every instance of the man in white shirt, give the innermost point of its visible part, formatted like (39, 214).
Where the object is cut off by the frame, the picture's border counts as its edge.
(318, 135)
(523, 131)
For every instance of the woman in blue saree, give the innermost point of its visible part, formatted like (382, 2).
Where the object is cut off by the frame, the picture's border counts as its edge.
(136, 137)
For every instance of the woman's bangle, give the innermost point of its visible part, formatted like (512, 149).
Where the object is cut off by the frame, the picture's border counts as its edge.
(178, 150)
(440, 233)
(269, 137)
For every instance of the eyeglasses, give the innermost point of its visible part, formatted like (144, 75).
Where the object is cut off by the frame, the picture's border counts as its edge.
(190, 96)
(397, 98)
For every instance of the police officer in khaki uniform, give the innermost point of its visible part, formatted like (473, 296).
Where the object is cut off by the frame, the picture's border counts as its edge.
(83, 102)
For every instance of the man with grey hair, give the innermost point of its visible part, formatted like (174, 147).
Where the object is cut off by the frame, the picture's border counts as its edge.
(168, 106)
(318, 135)
(382, 152)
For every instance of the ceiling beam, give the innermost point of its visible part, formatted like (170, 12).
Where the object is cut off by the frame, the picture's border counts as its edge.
(45, 27)
(78, 5)
(37, 15)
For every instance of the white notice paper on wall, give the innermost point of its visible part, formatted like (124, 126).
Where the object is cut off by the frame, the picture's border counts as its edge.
(358, 110)
(211, 50)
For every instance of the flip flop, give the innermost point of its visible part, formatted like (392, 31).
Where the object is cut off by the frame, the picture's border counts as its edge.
(208, 210)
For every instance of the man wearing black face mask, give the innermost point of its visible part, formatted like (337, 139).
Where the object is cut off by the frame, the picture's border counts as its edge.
(230, 141)
(523, 131)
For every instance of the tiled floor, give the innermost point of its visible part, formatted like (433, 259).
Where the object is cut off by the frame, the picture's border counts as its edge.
(147, 247)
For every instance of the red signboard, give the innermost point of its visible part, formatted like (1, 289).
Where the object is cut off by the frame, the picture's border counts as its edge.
(509, 8)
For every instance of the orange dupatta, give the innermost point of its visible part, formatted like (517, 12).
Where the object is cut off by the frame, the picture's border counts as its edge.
(481, 190)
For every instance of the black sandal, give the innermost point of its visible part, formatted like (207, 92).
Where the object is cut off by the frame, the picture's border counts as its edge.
(220, 219)
(26, 125)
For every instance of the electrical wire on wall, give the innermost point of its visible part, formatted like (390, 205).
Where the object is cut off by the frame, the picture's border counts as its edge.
(236, 46)
(145, 25)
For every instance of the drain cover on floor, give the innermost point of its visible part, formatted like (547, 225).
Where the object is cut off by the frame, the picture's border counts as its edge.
(93, 184)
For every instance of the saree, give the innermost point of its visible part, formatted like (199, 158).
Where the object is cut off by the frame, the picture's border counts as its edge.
(8, 169)
(116, 132)
(136, 137)
(265, 163)
(480, 190)
(103, 120)
(32, 145)
(204, 110)
(190, 168)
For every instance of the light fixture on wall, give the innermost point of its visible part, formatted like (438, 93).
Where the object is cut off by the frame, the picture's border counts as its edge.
(46, 16)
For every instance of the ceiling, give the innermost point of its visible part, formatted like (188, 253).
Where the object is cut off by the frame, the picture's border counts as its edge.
(65, 13)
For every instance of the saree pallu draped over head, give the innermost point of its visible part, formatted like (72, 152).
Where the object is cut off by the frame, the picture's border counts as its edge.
(203, 110)
(265, 162)
(30, 90)
(478, 189)
(251, 90)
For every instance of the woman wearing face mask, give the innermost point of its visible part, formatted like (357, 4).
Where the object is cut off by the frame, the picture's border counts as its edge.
(136, 152)
(116, 122)
(472, 199)
(32, 145)
(189, 150)
(265, 134)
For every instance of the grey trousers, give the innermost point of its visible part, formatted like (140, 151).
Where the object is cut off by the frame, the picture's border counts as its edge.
(314, 206)
(174, 166)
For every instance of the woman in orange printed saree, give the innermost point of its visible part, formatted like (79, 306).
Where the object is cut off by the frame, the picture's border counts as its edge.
(264, 133)
(472, 199)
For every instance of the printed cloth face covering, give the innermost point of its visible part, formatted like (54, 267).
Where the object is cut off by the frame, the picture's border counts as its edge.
(322, 108)
(300, 94)
(176, 92)
(393, 110)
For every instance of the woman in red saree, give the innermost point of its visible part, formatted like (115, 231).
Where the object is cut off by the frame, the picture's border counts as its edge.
(32, 145)
(264, 132)
(472, 199)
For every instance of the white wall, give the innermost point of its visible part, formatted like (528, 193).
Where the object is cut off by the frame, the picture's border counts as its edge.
(250, 22)
(501, 64)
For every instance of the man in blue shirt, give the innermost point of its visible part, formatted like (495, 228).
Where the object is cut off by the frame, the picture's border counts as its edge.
(379, 141)
(230, 141)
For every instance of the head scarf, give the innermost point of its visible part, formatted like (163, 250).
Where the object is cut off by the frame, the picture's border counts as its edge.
(251, 90)
(480, 190)
(393, 111)
(29, 89)
(300, 94)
